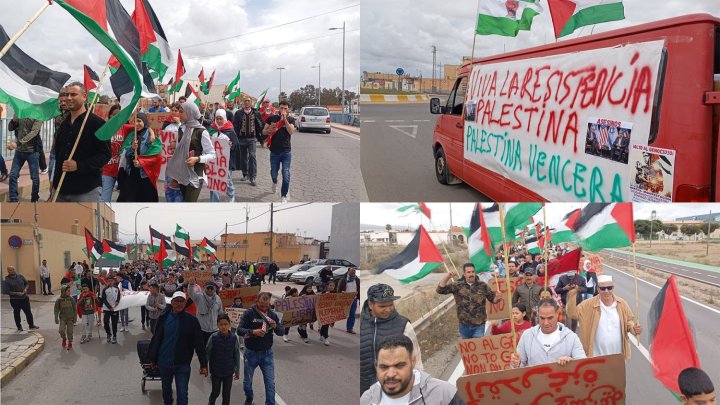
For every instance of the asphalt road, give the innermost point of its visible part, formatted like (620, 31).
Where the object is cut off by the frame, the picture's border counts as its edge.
(641, 385)
(101, 373)
(397, 161)
(699, 274)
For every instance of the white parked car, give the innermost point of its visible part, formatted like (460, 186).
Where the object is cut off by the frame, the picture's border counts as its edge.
(284, 275)
(312, 275)
(314, 118)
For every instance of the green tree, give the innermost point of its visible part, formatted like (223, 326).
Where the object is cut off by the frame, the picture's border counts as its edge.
(690, 229)
(642, 227)
(713, 227)
(669, 228)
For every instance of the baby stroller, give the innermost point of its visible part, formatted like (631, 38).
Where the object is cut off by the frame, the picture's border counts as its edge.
(149, 373)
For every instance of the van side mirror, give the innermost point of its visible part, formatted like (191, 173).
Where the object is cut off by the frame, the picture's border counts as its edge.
(435, 107)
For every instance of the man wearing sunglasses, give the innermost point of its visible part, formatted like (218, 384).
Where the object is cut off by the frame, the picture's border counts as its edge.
(605, 321)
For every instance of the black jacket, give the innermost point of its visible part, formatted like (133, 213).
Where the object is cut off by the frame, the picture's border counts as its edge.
(91, 155)
(252, 320)
(190, 337)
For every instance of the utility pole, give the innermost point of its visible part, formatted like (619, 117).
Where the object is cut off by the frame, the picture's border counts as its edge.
(271, 231)
(434, 52)
(280, 69)
(707, 242)
(225, 242)
(247, 241)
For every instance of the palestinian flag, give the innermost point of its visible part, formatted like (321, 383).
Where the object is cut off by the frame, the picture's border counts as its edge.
(192, 95)
(205, 87)
(201, 76)
(233, 87)
(207, 246)
(180, 70)
(603, 225)
(569, 15)
(419, 207)
(672, 347)
(518, 216)
(260, 98)
(31, 88)
(564, 230)
(532, 244)
(113, 251)
(491, 216)
(182, 242)
(175, 87)
(154, 46)
(90, 80)
(111, 25)
(545, 233)
(419, 258)
(506, 18)
(93, 246)
(161, 248)
(480, 248)
(151, 160)
(130, 251)
(556, 268)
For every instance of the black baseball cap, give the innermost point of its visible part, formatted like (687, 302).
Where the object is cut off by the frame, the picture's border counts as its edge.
(381, 293)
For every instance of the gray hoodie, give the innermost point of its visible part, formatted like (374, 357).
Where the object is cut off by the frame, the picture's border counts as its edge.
(208, 309)
(426, 390)
(532, 353)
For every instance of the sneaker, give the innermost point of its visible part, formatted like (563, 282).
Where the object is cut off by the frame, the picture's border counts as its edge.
(70, 346)
(274, 188)
(244, 178)
(109, 339)
(352, 332)
(114, 340)
(44, 171)
(322, 339)
(143, 327)
(82, 340)
(327, 341)
(20, 330)
(249, 401)
(64, 343)
(51, 293)
(283, 200)
(252, 182)
(34, 327)
(285, 339)
(306, 340)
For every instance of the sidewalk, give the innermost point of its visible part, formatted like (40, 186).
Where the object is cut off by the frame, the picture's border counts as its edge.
(670, 261)
(347, 128)
(18, 350)
(24, 183)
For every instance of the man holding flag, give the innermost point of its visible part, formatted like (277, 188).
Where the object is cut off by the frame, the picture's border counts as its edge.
(278, 129)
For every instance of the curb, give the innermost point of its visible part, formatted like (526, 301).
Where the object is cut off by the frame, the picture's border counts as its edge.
(668, 260)
(347, 128)
(21, 362)
(393, 98)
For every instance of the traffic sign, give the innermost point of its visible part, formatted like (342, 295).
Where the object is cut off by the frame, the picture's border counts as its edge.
(15, 242)
(400, 71)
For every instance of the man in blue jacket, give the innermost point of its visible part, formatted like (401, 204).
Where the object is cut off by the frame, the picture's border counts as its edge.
(177, 334)
(256, 327)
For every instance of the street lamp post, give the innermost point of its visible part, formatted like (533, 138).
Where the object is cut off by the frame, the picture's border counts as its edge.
(653, 215)
(318, 68)
(343, 68)
(280, 69)
(136, 234)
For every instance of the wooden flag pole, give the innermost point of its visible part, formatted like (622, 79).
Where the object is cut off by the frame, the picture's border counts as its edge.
(472, 56)
(507, 274)
(448, 270)
(442, 242)
(24, 28)
(56, 192)
(545, 253)
(637, 299)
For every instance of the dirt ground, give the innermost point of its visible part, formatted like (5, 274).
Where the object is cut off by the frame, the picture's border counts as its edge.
(688, 251)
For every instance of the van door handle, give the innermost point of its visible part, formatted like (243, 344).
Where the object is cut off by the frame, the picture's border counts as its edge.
(458, 125)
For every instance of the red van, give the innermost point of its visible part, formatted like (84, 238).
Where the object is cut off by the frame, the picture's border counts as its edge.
(625, 115)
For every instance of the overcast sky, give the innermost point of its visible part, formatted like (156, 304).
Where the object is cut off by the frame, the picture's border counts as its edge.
(59, 41)
(400, 33)
(382, 214)
(208, 220)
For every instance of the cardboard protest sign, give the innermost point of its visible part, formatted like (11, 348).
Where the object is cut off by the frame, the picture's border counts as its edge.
(296, 310)
(331, 308)
(169, 141)
(248, 294)
(597, 380)
(235, 315)
(561, 125)
(217, 170)
(596, 264)
(199, 276)
(156, 120)
(500, 310)
(486, 354)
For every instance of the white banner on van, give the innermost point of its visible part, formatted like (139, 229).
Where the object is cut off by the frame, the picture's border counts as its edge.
(563, 125)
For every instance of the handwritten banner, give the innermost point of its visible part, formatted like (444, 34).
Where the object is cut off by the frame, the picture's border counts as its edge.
(531, 121)
(248, 295)
(235, 315)
(597, 380)
(217, 170)
(296, 310)
(500, 310)
(331, 308)
(199, 276)
(486, 354)
(156, 120)
(169, 142)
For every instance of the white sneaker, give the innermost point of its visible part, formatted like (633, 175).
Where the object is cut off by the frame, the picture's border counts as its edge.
(306, 340)
(285, 339)
(322, 339)
(327, 342)
(274, 188)
(283, 200)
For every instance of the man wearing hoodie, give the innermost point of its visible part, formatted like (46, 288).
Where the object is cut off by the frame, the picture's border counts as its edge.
(65, 316)
(110, 299)
(400, 382)
(86, 307)
(209, 306)
(379, 320)
(548, 341)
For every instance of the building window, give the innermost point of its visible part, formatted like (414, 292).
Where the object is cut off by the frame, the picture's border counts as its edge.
(267, 241)
(66, 258)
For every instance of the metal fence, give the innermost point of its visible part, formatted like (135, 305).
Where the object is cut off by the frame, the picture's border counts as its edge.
(345, 119)
(6, 137)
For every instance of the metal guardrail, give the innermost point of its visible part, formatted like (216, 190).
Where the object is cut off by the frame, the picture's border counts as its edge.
(615, 255)
(6, 137)
(345, 119)
(438, 312)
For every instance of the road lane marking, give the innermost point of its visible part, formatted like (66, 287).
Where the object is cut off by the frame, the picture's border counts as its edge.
(711, 276)
(421, 120)
(368, 121)
(412, 134)
(348, 134)
(394, 120)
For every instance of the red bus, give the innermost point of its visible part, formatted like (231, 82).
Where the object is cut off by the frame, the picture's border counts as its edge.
(625, 115)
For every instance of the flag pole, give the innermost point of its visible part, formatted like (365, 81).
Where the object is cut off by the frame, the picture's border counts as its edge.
(24, 28)
(545, 254)
(637, 300)
(507, 274)
(472, 56)
(56, 192)
(92, 286)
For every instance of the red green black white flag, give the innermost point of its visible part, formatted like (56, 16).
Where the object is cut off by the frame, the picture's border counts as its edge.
(419, 258)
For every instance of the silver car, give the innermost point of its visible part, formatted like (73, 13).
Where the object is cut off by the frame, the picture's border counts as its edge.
(284, 275)
(312, 118)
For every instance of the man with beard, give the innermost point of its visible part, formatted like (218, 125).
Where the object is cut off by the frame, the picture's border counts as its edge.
(400, 383)
(248, 127)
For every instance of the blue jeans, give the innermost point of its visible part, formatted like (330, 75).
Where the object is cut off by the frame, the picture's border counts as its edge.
(51, 165)
(248, 162)
(124, 317)
(351, 316)
(215, 195)
(471, 331)
(275, 160)
(32, 158)
(181, 374)
(108, 185)
(264, 360)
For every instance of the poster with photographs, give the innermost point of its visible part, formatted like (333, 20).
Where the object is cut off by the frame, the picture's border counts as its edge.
(608, 139)
(652, 174)
(470, 110)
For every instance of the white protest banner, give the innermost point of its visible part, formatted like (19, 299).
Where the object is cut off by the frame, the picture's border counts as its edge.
(169, 140)
(217, 170)
(134, 299)
(561, 125)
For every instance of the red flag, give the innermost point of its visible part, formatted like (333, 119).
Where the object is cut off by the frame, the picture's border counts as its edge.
(560, 13)
(568, 261)
(623, 214)
(142, 21)
(672, 348)
(180, 71)
(162, 254)
(151, 165)
(89, 78)
(425, 210)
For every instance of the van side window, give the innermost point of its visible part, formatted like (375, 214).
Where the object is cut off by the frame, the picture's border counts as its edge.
(457, 96)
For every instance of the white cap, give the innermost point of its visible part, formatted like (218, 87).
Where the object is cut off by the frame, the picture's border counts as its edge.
(177, 294)
(605, 278)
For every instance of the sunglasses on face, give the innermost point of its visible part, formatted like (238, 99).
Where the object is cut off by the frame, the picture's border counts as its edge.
(608, 288)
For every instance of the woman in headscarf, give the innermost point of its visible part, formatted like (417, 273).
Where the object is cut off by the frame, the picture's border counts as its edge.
(141, 158)
(172, 124)
(194, 149)
(221, 128)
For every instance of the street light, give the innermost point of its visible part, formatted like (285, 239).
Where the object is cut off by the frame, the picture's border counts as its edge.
(280, 69)
(136, 235)
(343, 68)
(318, 68)
(653, 215)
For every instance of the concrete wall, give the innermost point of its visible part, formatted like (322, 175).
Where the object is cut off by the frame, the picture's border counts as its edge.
(345, 231)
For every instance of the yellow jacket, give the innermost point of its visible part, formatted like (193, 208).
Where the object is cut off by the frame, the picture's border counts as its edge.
(588, 313)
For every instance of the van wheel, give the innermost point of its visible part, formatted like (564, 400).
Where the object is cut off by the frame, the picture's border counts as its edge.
(441, 169)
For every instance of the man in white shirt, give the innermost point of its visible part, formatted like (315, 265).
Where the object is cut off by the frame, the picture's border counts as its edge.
(605, 321)
(45, 278)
